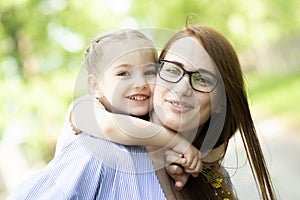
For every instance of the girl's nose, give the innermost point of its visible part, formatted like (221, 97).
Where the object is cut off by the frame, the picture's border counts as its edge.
(140, 82)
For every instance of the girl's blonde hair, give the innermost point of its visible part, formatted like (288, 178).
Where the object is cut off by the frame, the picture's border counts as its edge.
(97, 49)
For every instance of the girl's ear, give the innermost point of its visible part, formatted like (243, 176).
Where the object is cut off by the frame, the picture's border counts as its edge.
(93, 86)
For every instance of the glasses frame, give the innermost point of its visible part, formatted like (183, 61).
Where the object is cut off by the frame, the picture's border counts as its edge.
(162, 61)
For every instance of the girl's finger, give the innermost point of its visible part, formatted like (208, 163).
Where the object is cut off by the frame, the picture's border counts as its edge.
(175, 159)
(191, 162)
(197, 169)
(170, 152)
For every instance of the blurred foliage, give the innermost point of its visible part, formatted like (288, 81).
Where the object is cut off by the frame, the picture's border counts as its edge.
(42, 45)
(276, 94)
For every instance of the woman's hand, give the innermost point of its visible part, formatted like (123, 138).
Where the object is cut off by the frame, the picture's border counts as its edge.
(177, 173)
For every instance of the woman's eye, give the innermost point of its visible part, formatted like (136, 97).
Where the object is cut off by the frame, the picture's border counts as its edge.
(200, 79)
(123, 74)
(173, 71)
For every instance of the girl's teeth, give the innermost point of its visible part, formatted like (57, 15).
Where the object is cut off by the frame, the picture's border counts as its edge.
(138, 98)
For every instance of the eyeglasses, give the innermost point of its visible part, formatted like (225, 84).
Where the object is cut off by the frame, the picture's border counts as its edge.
(200, 80)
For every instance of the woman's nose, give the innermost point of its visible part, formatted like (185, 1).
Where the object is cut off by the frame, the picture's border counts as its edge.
(183, 87)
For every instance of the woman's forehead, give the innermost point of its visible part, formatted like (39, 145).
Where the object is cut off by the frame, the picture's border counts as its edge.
(191, 53)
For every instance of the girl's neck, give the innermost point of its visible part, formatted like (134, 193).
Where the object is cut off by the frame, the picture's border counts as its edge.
(190, 134)
(145, 117)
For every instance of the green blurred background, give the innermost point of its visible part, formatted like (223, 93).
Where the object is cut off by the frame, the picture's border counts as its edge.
(42, 44)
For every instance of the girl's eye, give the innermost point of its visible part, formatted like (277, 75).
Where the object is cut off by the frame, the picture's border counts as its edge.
(150, 72)
(123, 74)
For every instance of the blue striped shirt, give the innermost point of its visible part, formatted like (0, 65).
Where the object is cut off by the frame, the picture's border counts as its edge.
(86, 167)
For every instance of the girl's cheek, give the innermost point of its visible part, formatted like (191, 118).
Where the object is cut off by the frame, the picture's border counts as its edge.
(152, 90)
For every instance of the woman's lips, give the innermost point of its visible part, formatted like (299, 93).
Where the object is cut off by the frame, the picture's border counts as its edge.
(180, 106)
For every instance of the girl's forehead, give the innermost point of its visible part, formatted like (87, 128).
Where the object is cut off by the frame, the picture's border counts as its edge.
(191, 53)
(122, 49)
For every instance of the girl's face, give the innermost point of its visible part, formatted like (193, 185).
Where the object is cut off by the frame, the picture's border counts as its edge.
(128, 81)
(177, 105)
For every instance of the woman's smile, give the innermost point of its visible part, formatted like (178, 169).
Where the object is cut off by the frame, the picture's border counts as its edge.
(179, 106)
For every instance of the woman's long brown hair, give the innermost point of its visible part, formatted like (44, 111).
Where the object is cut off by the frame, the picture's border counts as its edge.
(237, 113)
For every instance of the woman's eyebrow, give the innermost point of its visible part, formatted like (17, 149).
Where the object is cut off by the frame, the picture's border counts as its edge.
(176, 62)
(200, 70)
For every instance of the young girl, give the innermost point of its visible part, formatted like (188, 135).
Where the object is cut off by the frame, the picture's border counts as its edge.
(123, 84)
(122, 68)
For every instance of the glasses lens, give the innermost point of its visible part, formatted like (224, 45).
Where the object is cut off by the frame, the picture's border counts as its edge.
(170, 72)
(203, 82)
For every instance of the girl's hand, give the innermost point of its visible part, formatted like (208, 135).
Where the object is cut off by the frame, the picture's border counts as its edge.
(185, 154)
(190, 160)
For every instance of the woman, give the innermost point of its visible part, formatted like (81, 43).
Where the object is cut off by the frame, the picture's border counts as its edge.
(228, 105)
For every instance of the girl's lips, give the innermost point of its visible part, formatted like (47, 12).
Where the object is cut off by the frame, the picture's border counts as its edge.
(138, 97)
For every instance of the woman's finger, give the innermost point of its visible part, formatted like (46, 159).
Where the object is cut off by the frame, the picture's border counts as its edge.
(174, 170)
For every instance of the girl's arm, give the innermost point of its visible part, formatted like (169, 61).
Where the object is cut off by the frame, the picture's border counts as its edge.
(89, 115)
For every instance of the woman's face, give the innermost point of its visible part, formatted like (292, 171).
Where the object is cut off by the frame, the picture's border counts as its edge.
(177, 105)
